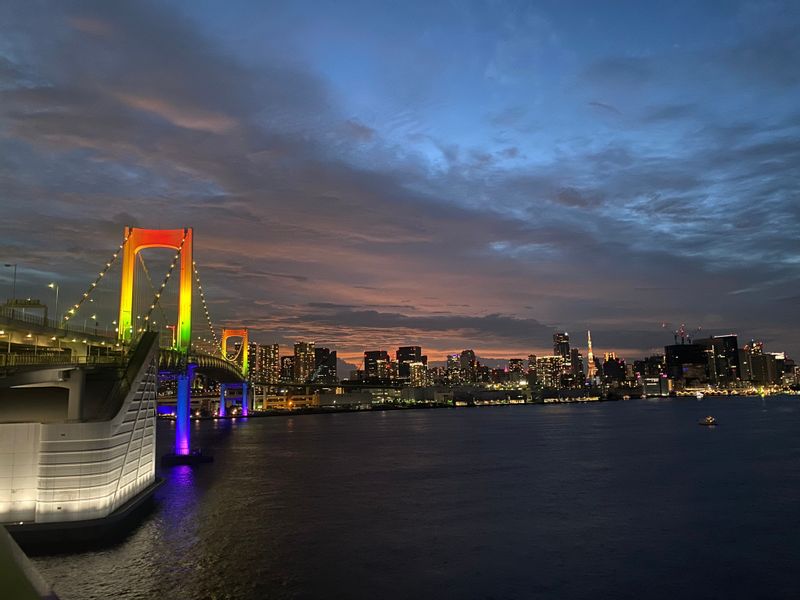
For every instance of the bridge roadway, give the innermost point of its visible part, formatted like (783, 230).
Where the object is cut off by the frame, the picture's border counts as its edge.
(43, 343)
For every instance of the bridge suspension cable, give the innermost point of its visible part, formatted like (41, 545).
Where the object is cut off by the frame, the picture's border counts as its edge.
(166, 280)
(152, 287)
(71, 312)
(205, 305)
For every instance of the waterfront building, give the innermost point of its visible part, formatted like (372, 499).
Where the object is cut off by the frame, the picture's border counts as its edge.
(613, 368)
(722, 356)
(650, 367)
(304, 359)
(406, 355)
(687, 364)
(516, 370)
(468, 366)
(576, 362)
(763, 366)
(324, 366)
(454, 369)
(256, 363)
(417, 374)
(272, 364)
(549, 370)
(287, 369)
(377, 365)
(561, 345)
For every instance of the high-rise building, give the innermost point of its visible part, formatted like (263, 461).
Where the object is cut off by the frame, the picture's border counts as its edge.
(453, 368)
(516, 370)
(576, 364)
(687, 363)
(287, 369)
(649, 368)
(303, 361)
(255, 359)
(765, 367)
(405, 356)
(549, 370)
(272, 364)
(417, 374)
(468, 366)
(377, 365)
(722, 354)
(324, 365)
(561, 345)
(613, 368)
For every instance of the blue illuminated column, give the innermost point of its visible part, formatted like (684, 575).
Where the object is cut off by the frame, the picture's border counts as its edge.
(183, 411)
(222, 389)
(245, 399)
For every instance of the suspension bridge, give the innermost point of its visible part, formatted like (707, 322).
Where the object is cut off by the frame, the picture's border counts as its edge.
(94, 444)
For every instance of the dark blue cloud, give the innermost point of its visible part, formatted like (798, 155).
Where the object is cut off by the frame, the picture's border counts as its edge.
(468, 175)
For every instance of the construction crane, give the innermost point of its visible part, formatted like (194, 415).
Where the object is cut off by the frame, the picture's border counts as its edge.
(680, 332)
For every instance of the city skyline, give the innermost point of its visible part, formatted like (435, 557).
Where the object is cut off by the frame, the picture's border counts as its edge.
(570, 170)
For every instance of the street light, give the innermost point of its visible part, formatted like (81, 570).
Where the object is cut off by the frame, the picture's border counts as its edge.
(13, 287)
(93, 318)
(54, 286)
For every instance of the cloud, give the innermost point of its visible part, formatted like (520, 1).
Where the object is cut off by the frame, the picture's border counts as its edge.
(179, 115)
(605, 107)
(501, 199)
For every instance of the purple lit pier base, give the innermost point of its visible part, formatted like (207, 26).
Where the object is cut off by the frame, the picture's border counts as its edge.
(222, 411)
(245, 400)
(183, 411)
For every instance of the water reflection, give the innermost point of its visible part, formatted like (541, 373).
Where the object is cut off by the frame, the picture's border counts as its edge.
(558, 501)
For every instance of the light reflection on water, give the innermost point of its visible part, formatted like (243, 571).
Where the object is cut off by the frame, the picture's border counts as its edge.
(627, 499)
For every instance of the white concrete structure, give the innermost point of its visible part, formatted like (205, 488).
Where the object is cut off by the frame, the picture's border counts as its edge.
(73, 469)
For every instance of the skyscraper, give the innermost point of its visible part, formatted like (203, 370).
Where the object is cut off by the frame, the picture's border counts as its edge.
(453, 368)
(303, 361)
(561, 345)
(576, 363)
(406, 355)
(272, 364)
(376, 364)
(723, 358)
(287, 369)
(548, 371)
(468, 366)
(418, 376)
(256, 361)
(324, 365)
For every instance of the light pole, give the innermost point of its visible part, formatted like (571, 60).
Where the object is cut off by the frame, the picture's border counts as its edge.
(93, 318)
(54, 286)
(13, 287)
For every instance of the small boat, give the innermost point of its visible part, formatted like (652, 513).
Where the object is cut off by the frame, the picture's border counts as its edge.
(709, 421)
(699, 395)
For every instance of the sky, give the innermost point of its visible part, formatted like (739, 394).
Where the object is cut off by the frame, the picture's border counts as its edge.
(446, 174)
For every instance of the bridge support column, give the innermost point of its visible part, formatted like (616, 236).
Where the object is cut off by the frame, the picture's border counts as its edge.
(77, 382)
(183, 412)
(245, 399)
(222, 409)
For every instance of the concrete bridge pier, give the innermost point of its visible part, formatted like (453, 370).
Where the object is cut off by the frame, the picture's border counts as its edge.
(183, 411)
(75, 383)
(222, 409)
(245, 399)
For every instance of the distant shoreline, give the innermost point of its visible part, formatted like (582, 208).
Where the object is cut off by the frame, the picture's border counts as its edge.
(394, 407)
